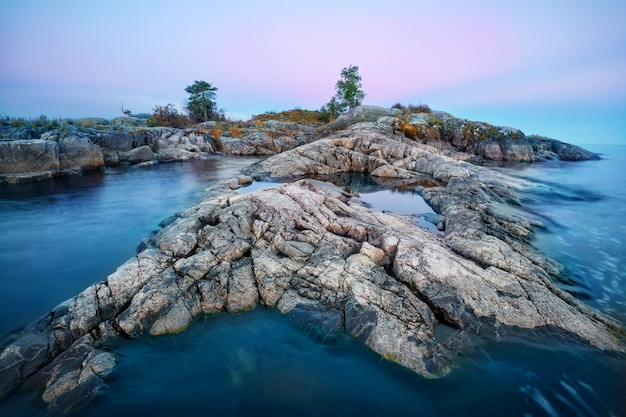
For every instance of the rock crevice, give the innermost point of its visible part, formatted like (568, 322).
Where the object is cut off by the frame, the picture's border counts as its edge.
(318, 254)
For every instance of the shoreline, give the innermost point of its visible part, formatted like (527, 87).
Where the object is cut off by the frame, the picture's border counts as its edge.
(316, 253)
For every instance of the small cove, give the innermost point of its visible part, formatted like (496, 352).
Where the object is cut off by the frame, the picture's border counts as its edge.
(58, 238)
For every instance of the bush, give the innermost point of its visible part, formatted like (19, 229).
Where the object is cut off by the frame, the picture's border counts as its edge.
(412, 108)
(298, 116)
(168, 116)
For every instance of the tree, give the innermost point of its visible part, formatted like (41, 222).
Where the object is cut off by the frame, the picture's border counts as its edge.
(201, 102)
(126, 112)
(348, 95)
(330, 110)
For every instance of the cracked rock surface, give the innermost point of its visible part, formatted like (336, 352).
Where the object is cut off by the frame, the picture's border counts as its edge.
(318, 254)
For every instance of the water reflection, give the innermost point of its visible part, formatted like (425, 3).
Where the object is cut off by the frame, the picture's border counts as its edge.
(395, 195)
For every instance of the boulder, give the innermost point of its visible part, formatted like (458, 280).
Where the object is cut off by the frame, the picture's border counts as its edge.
(23, 156)
(193, 140)
(359, 114)
(170, 155)
(91, 121)
(141, 154)
(79, 151)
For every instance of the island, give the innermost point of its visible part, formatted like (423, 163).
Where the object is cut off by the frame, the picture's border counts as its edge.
(308, 246)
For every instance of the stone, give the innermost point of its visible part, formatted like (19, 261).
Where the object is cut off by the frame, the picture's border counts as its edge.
(360, 114)
(170, 155)
(23, 156)
(141, 154)
(318, 254)
(81, 152)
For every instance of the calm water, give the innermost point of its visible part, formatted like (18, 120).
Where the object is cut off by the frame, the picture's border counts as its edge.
(57, 238)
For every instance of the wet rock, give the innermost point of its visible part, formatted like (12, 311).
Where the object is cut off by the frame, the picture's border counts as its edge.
(318, 254)
(74, 377)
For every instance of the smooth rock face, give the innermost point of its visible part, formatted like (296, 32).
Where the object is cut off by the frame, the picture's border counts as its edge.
(141, 154)
(319, 255)
(360, 114)
(28, 156)
(81, 152)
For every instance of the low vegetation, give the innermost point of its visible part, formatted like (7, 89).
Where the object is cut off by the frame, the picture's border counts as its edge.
(412, 108)
(168, 116)
(39, 122)
(310, 117)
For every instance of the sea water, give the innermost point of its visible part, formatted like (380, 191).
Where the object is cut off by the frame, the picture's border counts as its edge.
(57, 238)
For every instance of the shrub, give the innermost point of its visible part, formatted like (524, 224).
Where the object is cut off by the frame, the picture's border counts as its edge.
(420, 108)
(234, 130)
(412, 108)
(216, 132)
(168, 116)
(298, 116)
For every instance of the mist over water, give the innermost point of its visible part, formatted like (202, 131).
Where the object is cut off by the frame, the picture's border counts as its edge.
(583, 208)
(59, 237)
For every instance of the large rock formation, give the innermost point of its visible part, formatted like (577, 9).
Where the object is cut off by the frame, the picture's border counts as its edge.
(447, 133)
(93, 143)
(38, 157)
(320, 255)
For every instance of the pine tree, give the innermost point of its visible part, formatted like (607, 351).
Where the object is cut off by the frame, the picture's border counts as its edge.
(201, 102)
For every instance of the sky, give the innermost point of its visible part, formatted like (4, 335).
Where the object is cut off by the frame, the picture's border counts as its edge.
(549, 67)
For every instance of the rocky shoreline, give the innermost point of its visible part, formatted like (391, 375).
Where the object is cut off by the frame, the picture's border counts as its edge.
(317, 253)
(28, 155)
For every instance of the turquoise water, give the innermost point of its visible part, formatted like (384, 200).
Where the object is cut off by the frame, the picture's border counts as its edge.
(57, 238)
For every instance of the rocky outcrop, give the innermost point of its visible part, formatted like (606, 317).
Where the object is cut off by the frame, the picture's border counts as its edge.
(136, 155)
(360, 114)
(319, 255)
(447, 133)
(94, 143)
(35, 156)
(79, 153)
(555, 149)
(76, 149)
(268, 138)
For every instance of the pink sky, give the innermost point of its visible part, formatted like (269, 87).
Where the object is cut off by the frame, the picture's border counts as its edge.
(556, 68)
